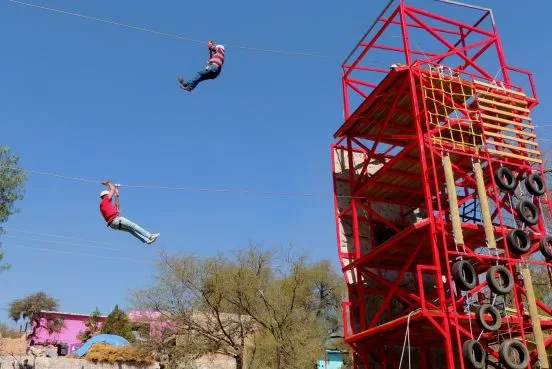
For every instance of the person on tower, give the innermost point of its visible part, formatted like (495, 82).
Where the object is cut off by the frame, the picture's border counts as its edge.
(115, 221)
(211, 71)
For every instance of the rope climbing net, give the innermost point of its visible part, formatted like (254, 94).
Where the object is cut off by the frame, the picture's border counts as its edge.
(451, 112)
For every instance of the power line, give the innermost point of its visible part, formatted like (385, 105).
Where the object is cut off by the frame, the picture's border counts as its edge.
(40, 240)
(10, 229)
(78, 253)
(159, 33)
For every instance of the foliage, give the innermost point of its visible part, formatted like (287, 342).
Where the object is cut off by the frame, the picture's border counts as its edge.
(12, 178)
(297, 306)
(189, 293)
(117, 322)
(30, 308)
(92, 325)
(257, 308)
(102, 352)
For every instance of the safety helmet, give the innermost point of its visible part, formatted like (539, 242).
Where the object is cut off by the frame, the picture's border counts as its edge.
(220, 47)
(103, 193)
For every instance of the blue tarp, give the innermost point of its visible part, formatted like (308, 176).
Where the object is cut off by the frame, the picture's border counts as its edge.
(101, 338)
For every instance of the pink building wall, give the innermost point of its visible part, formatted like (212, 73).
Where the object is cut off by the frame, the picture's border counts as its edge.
(73, 326)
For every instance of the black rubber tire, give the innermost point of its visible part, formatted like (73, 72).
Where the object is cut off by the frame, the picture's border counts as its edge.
(535, 184)
(494, 284)
(545, 246)
(505, 179)
(464, 275)
(475, 356)
(493, 312)
(504, 354)
(518, 241)
(527, 212)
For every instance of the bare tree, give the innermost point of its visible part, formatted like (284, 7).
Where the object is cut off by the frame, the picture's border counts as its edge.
(260, 308)
(190, 297)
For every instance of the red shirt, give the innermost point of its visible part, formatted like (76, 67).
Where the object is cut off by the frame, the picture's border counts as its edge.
(108, 210)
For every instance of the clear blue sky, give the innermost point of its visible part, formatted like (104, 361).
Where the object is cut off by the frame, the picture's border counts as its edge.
(97, 101)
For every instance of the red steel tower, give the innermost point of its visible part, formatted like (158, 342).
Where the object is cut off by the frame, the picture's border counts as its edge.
(441, 205)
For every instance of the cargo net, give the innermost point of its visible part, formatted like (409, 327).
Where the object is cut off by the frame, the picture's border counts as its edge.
(452, 110)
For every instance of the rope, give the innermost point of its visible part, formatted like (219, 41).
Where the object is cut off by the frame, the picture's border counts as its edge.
(159, 33)
(406, 340)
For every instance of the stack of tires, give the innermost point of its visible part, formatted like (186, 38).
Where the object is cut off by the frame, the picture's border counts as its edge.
(512, 353)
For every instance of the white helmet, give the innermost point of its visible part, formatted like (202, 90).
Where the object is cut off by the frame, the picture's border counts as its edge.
(103, 193)
(220, 47)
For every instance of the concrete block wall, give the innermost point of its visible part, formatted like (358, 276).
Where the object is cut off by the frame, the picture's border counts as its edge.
(18, 362)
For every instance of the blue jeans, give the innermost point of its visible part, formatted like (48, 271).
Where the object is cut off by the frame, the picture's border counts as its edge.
(210, 72)
(134, 229)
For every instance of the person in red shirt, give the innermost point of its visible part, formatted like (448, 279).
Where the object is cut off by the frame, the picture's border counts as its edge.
(211, 71)
(115, 221)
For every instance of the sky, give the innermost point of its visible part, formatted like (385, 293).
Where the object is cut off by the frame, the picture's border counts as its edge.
(91, 100)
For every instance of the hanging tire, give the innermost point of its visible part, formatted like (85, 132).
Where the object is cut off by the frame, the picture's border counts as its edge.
(505, 179)
(464, 275)
(545, 246)
(527, 212)
(493, 312)
(518, 241)
(495, 284)
(474, 354)
(513, 354)
(535, 184)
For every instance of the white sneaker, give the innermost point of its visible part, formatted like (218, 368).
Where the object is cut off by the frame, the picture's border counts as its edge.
(152, 238)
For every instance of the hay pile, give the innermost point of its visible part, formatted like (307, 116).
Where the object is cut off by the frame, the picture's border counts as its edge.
(102, 352)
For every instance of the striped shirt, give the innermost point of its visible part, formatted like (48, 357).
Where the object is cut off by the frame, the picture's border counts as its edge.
(217, 56)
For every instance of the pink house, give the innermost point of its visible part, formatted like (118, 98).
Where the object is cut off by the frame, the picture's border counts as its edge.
(73, 326)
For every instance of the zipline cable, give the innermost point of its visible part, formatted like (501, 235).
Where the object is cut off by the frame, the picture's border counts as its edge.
(187, 189)
(159, 33)
(148, 186)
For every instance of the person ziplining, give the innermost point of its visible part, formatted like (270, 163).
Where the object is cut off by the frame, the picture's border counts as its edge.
(211, 71)
(115, 221)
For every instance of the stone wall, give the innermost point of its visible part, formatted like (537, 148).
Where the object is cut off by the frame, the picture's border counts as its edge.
(18, 362)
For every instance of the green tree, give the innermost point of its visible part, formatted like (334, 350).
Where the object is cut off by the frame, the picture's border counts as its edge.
(296, 303)
(117, 322)
(32, 309)
(12, 178)
(192, 301)
(262, 308)
(92, 325)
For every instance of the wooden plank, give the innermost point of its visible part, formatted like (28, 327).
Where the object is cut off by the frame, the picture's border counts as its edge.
(513, 138)
(504, 112)
(513, 147)
(508, 129)
(504, 97)
(510, 106)
(494, 87)
(490, 117)
(509, 154)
